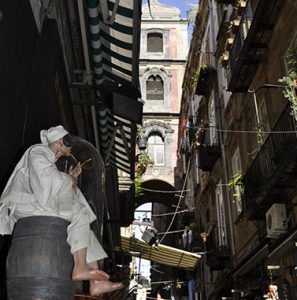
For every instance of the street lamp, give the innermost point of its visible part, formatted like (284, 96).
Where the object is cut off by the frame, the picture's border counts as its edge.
(142, 142)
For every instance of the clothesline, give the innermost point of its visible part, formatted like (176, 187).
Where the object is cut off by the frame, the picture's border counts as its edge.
(161, 191)
(243, 131)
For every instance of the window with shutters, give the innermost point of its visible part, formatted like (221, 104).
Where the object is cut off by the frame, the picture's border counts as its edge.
(155, 88)
(154, 42)
(221, 216)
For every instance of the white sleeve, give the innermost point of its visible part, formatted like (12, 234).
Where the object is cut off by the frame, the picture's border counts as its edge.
(45, 179)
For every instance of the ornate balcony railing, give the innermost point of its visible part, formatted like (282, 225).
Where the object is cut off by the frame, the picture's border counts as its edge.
(272, 175)
(209, 152)
(217, 251)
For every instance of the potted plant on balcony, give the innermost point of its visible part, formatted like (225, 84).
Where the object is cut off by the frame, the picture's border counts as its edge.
(224, 59)
(236, 183)
(200, 134)
(290, 80)
(229, 43)
(234, 25)
(202, 77)
(236, 3)
(240, 7)
(290, 83)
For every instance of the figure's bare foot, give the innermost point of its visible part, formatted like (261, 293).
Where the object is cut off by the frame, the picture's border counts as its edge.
(101, 287)
(89, 274)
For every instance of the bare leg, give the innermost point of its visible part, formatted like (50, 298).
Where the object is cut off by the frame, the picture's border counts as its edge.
(102, 287)
(84, 271)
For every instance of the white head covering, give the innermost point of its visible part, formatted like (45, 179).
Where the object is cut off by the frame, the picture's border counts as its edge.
(52, 134)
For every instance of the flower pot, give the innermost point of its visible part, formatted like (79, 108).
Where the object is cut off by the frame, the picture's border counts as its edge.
(225, 59)
(241, 7)
(229, 43)
(235, 26)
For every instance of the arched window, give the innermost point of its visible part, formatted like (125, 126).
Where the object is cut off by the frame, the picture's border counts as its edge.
(155, 149)
(154, 88)
(155, 42)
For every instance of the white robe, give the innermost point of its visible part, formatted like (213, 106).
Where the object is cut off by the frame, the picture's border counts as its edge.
(37, 188)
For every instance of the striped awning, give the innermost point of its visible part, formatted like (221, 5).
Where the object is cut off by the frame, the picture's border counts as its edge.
(117, 137)
(161, 254)
(114, 33)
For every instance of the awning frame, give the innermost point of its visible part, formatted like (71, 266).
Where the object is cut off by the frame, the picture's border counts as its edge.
(161, 254)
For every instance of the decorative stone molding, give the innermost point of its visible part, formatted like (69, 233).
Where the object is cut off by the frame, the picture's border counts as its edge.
(166, 78)
(159, 11)
(166, 131)
(159, 127)
(156, 55)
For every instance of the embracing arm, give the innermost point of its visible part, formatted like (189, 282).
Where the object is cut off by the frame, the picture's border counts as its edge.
(45, 179)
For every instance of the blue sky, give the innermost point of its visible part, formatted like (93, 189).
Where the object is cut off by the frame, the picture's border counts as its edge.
(184, 6)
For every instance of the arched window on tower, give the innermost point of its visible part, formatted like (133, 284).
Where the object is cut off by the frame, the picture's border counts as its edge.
(155, 149)
(155, 42)
(154, 88)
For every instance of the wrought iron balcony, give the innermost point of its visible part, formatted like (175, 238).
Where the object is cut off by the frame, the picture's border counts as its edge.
(217, 251)
(208, 153)
(251, 42)
(272, 177)
(204, 80)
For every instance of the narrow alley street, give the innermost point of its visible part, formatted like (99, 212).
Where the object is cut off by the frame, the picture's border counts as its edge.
(169, 137)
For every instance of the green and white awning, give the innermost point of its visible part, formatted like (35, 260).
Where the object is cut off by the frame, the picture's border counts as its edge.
(114, 33)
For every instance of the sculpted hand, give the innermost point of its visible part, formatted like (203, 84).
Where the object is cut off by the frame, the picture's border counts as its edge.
(74, 173)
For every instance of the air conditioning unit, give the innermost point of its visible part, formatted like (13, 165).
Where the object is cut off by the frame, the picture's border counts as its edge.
(276, 220)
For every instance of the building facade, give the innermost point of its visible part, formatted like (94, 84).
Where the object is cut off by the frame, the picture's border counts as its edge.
(237, 139)
(163, 54)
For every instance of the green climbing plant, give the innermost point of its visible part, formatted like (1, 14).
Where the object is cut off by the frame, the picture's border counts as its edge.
(290, 79)
(205, 68)
(290, 83)
(143, 161)
(236, 183)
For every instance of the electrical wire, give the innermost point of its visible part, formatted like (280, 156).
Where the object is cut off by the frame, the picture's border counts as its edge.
(157, 270)
(242, 131)
(179, 201)
(156, 298)
(172, 213)
(169, 281)
(160, 191)
(175, 231)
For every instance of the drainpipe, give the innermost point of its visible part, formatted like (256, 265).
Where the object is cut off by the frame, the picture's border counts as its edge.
(87, 66)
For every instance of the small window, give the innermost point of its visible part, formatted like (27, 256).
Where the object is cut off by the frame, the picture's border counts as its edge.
(154, 42)
(154, 88)
(155, 149)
